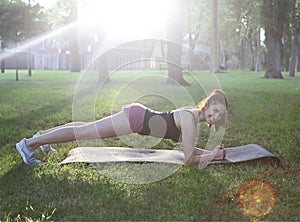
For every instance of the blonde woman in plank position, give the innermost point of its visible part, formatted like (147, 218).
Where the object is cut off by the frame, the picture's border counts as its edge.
(178, 125)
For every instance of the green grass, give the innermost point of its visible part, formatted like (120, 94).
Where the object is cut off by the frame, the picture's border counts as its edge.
(262, 111)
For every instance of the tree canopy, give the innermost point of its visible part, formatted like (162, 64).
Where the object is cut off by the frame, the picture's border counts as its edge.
(252, 35)
(19, 21)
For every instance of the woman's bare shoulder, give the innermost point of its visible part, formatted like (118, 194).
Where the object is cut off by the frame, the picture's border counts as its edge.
(186, 116)
(187, 111)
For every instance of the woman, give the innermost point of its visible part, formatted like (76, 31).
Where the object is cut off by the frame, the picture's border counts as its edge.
(178, 125)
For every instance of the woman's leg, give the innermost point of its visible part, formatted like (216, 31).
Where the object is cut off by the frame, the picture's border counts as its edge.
(47, 148)
(111, 126)
(62, 126)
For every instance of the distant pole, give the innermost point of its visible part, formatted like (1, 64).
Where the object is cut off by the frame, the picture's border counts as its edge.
(29, 62)
(2, 60)
(257, 51)
(29, 50)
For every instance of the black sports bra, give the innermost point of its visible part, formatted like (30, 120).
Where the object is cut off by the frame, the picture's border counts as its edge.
(161, 124)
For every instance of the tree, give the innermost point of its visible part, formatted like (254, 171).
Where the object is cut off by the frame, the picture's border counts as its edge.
(240, 27)
(9, 26)
(194, 25)
(65, 14)
(4, 29)
(214, 38)
(75, 62)
(295, 25)
(236, 24)
(274, 14)
(18, 22)
(175, 24)
(103, 72)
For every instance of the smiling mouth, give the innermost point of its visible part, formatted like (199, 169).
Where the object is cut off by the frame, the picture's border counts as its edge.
(210, 121)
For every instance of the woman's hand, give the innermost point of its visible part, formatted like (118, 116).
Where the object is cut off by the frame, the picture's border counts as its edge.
(220, 152)
(203, 157)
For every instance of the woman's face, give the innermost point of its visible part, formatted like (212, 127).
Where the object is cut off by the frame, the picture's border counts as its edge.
(213, 112)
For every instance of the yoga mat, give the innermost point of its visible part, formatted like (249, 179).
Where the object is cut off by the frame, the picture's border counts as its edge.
(135, 155)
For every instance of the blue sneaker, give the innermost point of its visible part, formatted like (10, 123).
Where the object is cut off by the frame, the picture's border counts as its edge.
(45, 148)
(27, 155)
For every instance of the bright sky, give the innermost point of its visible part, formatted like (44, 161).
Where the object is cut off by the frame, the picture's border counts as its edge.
(134, 18)
(126, 17)
(46, 3)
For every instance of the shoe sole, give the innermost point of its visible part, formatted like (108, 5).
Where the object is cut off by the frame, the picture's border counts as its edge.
(21, 153)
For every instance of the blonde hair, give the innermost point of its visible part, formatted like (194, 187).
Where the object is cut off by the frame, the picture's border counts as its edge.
(216, 96)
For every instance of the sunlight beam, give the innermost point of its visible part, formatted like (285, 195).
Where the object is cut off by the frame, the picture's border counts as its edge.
(38, 39)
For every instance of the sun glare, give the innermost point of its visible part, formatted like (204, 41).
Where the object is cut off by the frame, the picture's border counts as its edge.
(127, 18)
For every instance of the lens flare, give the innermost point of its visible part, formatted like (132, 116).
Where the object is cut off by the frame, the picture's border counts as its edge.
(256, 198)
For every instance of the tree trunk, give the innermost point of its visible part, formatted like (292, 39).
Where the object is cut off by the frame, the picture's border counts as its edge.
(75, 61)
(175, 74)
(214, 38)
(17, 67)
(3, 59)
(295, 33)
(192, 45)
(274, 14)
(103, 76)
(257, 51)
(250, 45)
(223, 62)
(273, 57)
(174, 44)
(244, 53)
(294, 57)
(29, 62)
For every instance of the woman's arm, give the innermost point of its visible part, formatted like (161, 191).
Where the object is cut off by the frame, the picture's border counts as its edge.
(188, 133)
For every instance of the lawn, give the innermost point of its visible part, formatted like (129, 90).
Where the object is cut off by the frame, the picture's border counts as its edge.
(261, 111)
